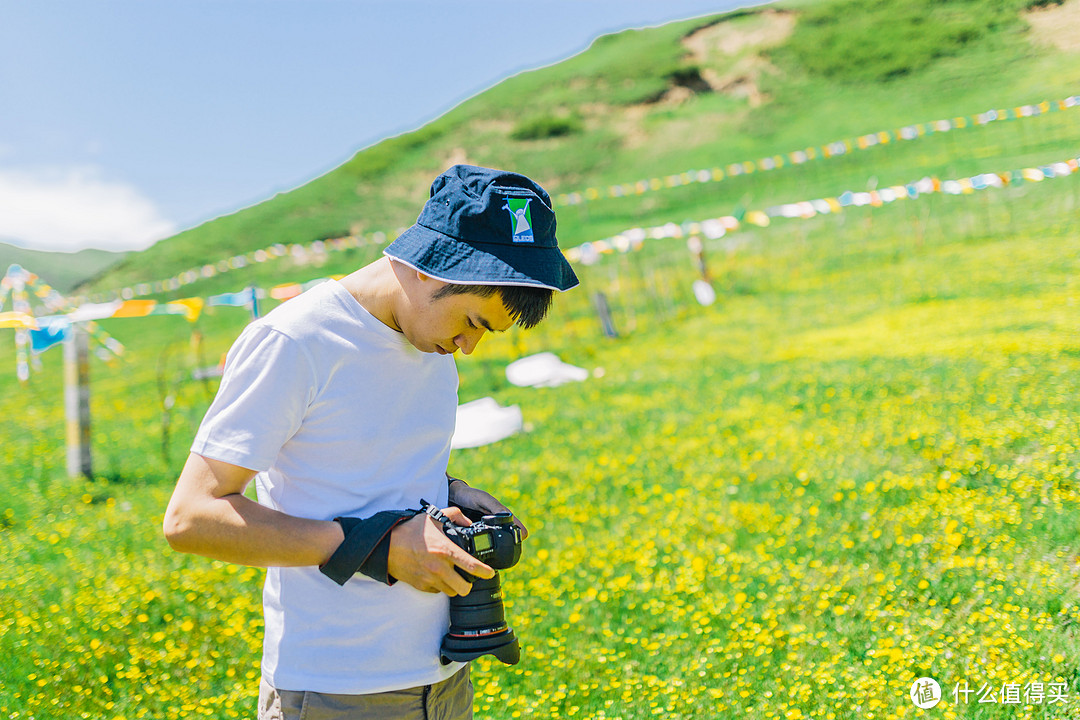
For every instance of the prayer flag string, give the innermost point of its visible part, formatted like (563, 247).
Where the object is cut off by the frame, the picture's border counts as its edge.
(317, 250)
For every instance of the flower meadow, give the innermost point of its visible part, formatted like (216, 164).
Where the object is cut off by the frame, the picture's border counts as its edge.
(855, 470)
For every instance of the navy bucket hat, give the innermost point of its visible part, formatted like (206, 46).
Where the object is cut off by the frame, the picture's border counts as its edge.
(485, 227)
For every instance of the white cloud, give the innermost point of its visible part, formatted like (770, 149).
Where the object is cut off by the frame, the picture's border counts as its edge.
(74, 208)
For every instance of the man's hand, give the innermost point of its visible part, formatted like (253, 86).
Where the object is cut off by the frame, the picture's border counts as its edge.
(422, 555)
(472, 498)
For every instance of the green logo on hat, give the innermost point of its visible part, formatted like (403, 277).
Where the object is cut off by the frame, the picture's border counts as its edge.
(521, 219)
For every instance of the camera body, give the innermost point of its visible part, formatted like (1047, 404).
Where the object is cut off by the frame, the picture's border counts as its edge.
(493, 540)
(478, 620)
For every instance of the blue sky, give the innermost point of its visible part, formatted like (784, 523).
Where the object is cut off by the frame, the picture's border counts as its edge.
(125, 121)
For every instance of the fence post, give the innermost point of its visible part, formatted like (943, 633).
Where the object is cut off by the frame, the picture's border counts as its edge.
(77, 402)
(604, 311)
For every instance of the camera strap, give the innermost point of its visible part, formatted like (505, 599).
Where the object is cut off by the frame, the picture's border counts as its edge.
(436, 514)
(366, 547)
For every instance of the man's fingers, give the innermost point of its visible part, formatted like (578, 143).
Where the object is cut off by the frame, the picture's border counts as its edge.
(445, 579)
(457, 585)
(436, 574)
(456, 516)
(466, 562)
(462, 559)
(422, 555)
(471, 565)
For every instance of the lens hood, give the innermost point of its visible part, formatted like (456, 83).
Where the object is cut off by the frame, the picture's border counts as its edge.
(503, 645)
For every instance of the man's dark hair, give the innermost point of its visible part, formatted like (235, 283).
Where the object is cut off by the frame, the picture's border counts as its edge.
(526, 305)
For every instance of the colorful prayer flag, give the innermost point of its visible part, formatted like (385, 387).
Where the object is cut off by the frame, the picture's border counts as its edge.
(53, 331)
(18, 321)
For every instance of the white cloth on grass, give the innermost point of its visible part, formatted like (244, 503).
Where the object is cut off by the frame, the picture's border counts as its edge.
(543, 370)
(484, 421)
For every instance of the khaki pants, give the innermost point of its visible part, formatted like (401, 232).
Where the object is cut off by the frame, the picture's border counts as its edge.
(449, 700)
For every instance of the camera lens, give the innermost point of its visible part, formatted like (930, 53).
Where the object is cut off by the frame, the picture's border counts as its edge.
(478, 625)
(479, 612)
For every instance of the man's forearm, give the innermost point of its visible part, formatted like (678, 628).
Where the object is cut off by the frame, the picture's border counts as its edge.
(236, 529)
(209, 515)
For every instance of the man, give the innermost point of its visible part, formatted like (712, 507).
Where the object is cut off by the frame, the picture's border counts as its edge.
(341, 405)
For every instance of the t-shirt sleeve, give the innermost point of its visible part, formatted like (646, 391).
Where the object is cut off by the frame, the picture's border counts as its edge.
(268, 384)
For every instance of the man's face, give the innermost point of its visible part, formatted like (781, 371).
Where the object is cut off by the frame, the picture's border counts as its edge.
(454, 322)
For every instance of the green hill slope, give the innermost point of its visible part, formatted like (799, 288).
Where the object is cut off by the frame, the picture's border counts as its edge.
(63, 271)
(693, 94)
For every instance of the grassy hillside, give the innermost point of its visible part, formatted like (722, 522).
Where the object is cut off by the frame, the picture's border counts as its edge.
(856, 469)
(63, 271)
(644, 103)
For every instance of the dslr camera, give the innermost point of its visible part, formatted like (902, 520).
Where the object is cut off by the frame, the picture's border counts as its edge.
(477, 620)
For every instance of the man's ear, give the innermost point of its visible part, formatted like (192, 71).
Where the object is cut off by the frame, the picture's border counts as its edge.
(423, 277)
(430, 283)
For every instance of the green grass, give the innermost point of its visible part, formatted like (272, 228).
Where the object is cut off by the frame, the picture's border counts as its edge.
(853, 41)
(857, 468)
(854, 470)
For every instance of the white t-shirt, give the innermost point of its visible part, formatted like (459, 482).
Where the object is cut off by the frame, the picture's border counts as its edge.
(341, 416)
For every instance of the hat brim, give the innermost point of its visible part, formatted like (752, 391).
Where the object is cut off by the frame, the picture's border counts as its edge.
(455, 261)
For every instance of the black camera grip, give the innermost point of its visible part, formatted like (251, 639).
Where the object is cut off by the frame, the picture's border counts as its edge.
(366, 547)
